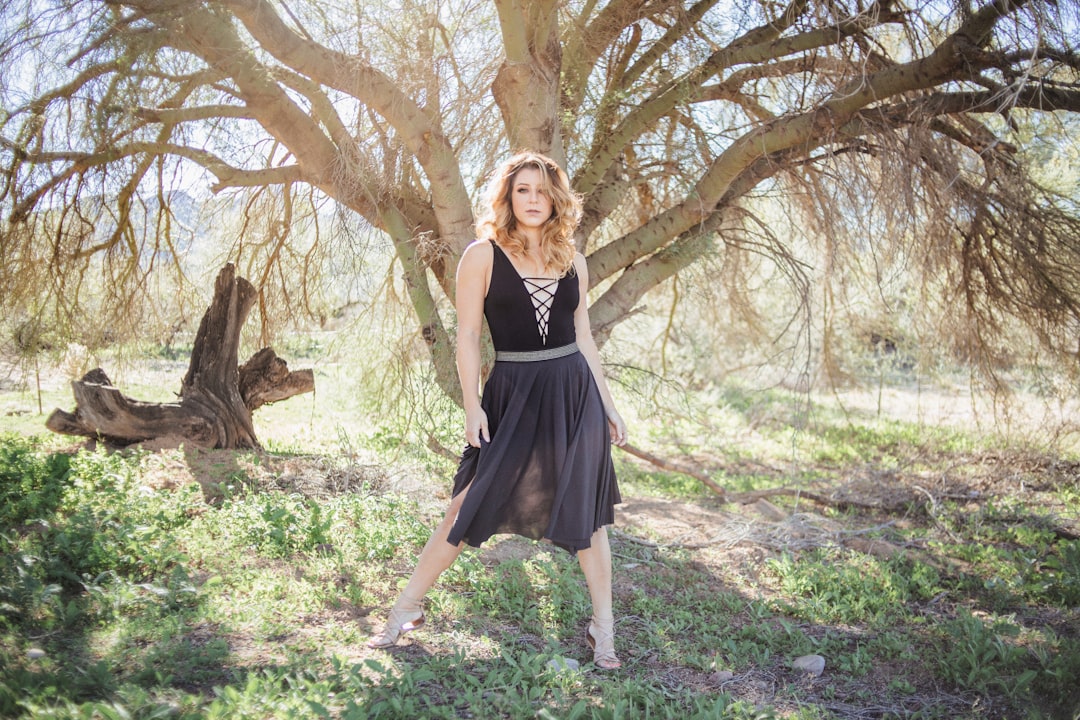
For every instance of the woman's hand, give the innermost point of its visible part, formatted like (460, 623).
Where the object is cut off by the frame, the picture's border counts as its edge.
(616, 427)
(476, 427)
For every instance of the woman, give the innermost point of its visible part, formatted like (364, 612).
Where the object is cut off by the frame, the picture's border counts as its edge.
(538, 459)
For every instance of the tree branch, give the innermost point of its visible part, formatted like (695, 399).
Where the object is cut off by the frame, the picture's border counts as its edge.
(526, 86)
(80, 162)
(585, 45)
(632, 284)
(178, 115)
(1036, 96)
(69, 89)
(672, 466)
(420, 132)
(219, 45)
(682, 25)
(513, 28)
(757, 45)
(946, 62)
(432, 329)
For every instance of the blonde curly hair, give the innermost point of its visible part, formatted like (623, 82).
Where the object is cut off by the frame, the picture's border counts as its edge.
(497, 220)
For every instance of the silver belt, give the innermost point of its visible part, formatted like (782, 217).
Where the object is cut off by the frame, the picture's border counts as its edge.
(535, 355)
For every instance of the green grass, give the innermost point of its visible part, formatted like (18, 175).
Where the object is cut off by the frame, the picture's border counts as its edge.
(129, 590)
(841, 587)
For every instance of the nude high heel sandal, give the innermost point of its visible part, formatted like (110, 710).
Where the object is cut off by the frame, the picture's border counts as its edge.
(398, 622)
(600, 634)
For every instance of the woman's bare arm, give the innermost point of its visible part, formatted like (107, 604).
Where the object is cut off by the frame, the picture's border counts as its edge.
(473, 276)
(587, 346)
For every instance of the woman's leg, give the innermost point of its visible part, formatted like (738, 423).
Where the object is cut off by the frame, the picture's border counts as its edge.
(435, 558)
(596, 564)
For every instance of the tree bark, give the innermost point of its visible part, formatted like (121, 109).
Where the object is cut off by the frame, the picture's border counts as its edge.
(526, 88)
(216, 398)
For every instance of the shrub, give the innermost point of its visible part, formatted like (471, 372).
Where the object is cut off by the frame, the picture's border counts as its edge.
(31, 484)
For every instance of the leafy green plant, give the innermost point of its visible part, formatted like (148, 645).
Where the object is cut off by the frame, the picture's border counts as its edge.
(978, 656)
(31, 483)
(838, 586)
(24, 593)
(1061, 570)
(275, 525)
(108, 523)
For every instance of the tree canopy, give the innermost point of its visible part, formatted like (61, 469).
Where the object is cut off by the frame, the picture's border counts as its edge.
(884, 128)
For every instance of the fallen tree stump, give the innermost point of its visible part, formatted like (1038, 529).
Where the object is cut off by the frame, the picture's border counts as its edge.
(217, 397)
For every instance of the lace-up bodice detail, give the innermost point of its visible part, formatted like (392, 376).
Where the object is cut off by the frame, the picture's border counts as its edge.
(542, 293)
(529, 313)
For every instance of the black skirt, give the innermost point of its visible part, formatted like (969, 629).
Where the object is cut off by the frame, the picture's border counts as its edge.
(547, 472)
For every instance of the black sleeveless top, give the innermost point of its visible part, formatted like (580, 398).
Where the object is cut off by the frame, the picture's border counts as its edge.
(515, 321)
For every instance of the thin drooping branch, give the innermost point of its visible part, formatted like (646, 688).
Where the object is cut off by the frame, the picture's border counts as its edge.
(79, 162)
(673, 466)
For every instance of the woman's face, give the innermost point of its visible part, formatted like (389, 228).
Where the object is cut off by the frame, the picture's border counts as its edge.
(531, 205)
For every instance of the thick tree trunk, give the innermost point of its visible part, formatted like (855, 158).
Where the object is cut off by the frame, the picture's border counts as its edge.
(526, 87)
(216, 398)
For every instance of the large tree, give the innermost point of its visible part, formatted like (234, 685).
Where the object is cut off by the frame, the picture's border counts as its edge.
(670, 118)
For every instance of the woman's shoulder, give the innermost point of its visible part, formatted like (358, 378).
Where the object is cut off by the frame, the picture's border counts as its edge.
(580, 266)
(478, 255)
(482, 248)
